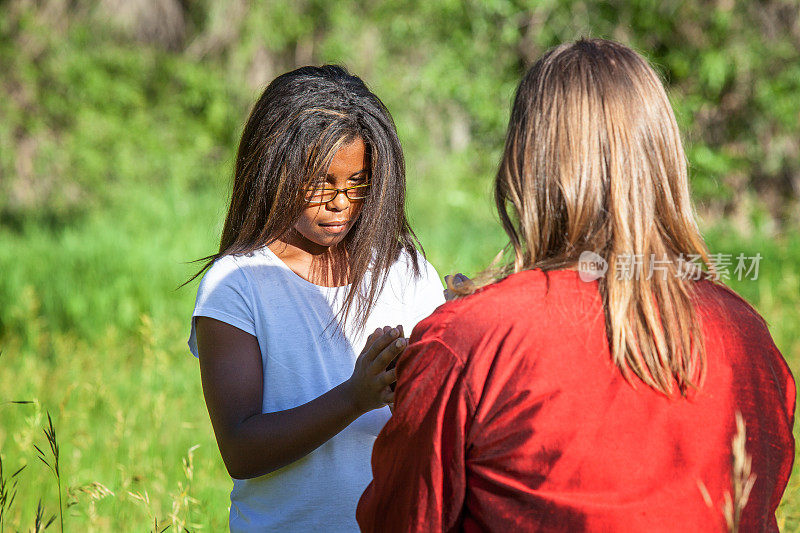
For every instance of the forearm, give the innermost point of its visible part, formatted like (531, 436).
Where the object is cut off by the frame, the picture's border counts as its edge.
(253, 444)
(266, 442)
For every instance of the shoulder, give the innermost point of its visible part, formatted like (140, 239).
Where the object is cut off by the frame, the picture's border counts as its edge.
(415, 287)
(234, 273)
(224, 270)
(720, 304)
(546, 299)
(414, 269)
(729, 321)
(238, 267)
(409, 261)
(223, 287)
(530, 292)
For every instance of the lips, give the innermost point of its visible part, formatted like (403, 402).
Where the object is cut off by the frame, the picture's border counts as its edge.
(334, 226)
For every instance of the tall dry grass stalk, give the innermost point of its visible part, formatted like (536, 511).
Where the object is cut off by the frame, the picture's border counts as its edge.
(8, 485)
(8, 492)
(52, 464)
(159, 528)
(93, 492)
(742, 478)
(144, 500)
(38, 522)
(183, 500)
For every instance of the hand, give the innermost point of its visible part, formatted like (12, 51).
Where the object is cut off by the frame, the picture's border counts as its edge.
(393, 362)
(457, 285)
(370, 384)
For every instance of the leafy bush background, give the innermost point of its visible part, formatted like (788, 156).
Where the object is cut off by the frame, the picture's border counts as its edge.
(118, 125)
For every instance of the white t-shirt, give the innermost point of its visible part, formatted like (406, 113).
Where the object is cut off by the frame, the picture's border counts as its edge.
(303, 357)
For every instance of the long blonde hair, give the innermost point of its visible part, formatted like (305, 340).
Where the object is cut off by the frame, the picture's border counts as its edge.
(593, 161)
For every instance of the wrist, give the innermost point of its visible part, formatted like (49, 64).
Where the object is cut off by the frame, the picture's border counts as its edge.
(349, 398)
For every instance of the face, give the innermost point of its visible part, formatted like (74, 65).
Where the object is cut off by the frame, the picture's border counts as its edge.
(325, 225)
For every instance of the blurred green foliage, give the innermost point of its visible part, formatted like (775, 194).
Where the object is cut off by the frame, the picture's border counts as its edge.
(91, 86)
(104, 102)
(118, 127)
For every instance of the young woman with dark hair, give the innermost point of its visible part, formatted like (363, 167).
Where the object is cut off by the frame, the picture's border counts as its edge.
(604, 399)
(315, 253)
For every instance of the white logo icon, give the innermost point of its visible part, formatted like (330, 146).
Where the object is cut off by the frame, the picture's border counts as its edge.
(591, 266)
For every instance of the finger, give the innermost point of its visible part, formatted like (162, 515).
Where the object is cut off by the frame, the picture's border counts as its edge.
(399, 328)
(385, 357)
(374, 336)
(458, 284)
(380, 332)
(453, 282)
(388, 354)
(380, 344)
(387, 396)
(388, 377)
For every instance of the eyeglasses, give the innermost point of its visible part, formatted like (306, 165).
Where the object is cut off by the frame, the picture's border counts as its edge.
(323, 195)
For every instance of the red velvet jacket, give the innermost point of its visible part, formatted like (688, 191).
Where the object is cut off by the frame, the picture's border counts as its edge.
(511, 416)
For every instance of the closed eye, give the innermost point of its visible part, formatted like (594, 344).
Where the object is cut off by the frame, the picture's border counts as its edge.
(329, 182)
(358, 177)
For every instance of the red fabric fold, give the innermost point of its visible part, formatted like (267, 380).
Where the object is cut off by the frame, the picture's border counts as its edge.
(510, 416)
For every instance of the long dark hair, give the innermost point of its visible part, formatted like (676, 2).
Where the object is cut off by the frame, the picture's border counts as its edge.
(294, 130)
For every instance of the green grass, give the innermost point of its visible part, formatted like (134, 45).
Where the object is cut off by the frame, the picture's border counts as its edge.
(92, 330)
(94, 334)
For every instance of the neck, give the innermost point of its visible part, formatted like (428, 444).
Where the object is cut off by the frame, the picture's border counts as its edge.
(321, 265)
(293, 246)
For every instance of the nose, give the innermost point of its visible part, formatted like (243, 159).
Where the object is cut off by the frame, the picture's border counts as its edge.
(340, 202)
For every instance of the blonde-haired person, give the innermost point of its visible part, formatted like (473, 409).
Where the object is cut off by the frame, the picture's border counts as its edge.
(552, 401)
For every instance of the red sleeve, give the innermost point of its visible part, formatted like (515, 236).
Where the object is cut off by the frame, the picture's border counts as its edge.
(418, 459)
